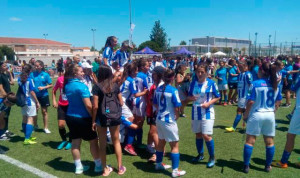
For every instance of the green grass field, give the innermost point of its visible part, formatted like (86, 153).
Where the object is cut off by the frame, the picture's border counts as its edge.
(228, 150)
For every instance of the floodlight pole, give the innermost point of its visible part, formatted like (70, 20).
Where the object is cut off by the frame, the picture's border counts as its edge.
(93, 30)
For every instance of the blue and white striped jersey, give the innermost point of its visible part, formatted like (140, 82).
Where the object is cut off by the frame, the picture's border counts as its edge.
(264, 95)
(128, 88)
(108, 53)
(141, 83)
(149, 79)
(121, 57)
(244, 82)
(167, 99)
(27, 87)
(204, 93)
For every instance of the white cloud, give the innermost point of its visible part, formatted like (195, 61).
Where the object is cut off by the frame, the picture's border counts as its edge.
(15, 19)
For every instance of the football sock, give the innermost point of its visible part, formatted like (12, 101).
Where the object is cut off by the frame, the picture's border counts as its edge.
(237, 119)
(270, 150)
(247, 154)
(199, 145)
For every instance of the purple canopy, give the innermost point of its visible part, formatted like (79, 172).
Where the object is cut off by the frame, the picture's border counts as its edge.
(183, 51)
(146, 50)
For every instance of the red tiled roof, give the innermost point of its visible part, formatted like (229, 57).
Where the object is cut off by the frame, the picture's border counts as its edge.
(80, 48)
(32, 41)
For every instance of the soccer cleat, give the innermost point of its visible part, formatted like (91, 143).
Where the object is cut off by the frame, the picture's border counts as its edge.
(211, 163)
(82, 169)
(198, 158)
(4, 137)
(61, 145)
(152, 159)
(286, 105)
(28, 142)
(246, 169)
(162, 166)
(130, 150)
(230, 129)
(150, 149)
(268, 168)
(68, 146)
(47, 131)
(182, 115)
(32, 138)
(178, 173)
(122, 170)
(9, 134)
(279, 164)
(98, 169)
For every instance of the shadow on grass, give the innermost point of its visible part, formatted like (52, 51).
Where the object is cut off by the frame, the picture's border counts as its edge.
(64, 166)
(16, 138)
(51, 144)
(283, 129)
(3, 149)
(280, 121)
(149, 168)
(234, 165)
(297, 151)
(220, 127)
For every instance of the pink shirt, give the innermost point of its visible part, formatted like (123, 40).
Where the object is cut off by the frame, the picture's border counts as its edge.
(63, 101)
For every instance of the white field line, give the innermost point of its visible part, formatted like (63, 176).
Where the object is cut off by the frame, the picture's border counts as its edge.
(26, 167)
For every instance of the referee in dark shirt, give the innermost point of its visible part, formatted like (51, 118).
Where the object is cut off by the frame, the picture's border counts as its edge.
(6, 80)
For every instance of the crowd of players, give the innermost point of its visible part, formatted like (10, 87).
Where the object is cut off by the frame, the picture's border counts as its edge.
(108, 101)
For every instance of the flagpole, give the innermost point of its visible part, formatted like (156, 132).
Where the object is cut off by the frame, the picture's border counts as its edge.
(130, 37)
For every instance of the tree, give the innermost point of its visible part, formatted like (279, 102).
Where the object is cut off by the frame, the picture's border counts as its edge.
(235, 50)
(93, 48)
(227, 50)
(182, 42)
(159, 36)
(8, 52)
(151, 44)
(214, 50)
(244, 50)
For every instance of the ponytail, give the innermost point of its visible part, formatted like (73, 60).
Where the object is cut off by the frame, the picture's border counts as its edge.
(167, 78)
(269, 71)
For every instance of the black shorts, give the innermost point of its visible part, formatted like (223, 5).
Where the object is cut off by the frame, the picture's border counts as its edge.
(288, 86)
(61, 112)
(81, 128)
(44, 101)
(151, 120)
(104, 122)
(232, 85)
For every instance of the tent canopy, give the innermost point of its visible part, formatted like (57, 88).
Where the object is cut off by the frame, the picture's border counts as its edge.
(146, 50)
(207, 54)
(219, 53)
(183, 51)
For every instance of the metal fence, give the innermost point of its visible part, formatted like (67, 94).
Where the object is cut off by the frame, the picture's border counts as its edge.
(271, 49)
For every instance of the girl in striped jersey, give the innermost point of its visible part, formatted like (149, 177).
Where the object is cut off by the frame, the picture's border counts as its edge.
(167, 102)
(244, 82)
(204, 93)
(129, 90)
(108, 53)
(139, 108)
(263, 100)
(29, 110)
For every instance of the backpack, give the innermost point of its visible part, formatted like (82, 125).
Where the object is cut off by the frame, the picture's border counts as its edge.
(110, 105)
(21, 98)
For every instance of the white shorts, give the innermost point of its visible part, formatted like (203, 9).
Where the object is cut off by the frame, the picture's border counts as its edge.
(295, 123)
(139, 108)
(29, 111)
(167, 131)
(222, 87)
(203, 126)
(261, 123)
(126, 111)
(242, 102)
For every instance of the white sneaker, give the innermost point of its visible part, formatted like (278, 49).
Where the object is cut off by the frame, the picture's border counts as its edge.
(81, 169)
(47, 131)
(161, 166)
(178, 173)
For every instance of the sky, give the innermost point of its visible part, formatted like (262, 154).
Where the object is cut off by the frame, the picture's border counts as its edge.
(71, 21)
